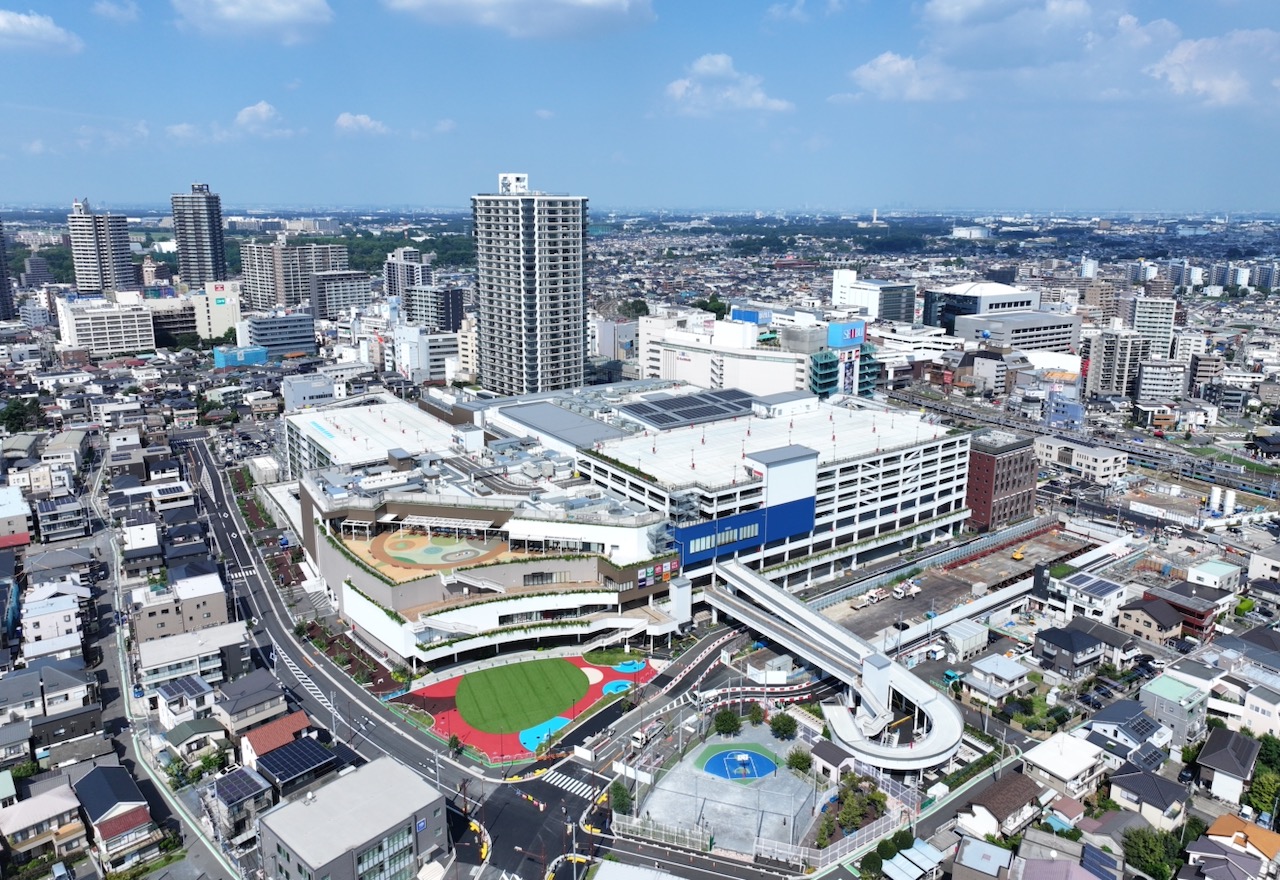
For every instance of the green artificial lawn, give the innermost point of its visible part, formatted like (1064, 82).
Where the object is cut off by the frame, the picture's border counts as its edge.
(509, 699)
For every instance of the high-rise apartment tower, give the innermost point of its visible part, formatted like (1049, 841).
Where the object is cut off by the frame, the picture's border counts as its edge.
(8, 311)
(100, 250)
(530, 287)
(197, 225)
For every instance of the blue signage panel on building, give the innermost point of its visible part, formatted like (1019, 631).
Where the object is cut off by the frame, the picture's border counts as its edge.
(744, 531)
(846, 334)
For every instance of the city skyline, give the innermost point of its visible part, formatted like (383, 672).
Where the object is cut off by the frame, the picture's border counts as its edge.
(821, 105)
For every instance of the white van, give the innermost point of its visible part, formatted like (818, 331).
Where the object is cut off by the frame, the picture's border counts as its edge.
(60, 872)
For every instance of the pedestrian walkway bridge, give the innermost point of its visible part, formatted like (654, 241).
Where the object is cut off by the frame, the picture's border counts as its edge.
(926, 728)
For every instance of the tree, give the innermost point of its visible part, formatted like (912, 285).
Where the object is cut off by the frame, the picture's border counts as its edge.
(636, 308)
(783, 726)
(799, 759)
(903, 839)
(885, 849)
(755, 714)
(727, 723)
(620, 798)
(826, 828)
(455, 744)
(1146, 850)
(852, 811)
(871, 865)
(1269, 752)
(1263, 791)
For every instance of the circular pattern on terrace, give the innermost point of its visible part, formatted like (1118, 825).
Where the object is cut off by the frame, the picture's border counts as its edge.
(432, 551)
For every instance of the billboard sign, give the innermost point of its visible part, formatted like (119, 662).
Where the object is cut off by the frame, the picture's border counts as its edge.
(846, 334)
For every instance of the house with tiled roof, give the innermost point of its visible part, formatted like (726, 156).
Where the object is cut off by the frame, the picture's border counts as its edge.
(271, 736)
(1209, 860)
(1004, 808)
(45, 823)
(1153, 620)
(1160, 801)
(1245, 837)
(124, 833)
(1226, 763)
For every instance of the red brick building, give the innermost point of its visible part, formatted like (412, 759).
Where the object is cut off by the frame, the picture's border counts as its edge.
(1002, 479)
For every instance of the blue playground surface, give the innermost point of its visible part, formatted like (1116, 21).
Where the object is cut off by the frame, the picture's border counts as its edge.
(629, 667)
(740, 763)
(616, 687)
(533, 737)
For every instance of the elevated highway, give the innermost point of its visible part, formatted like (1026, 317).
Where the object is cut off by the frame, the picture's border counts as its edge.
(862, 720)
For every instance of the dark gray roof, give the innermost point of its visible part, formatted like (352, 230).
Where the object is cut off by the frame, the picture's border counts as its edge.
(1158, 610)
(665, 411)
(1007, 795)
(1148, 787)
(105, 787)
(1071, 640)
(1103, 632)
(254, 689)
(1218, 862)
(784, 454)
(566, 426)
(1226, 751)
(830, 753)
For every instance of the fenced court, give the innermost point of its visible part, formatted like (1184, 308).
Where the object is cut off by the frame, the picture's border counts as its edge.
(734, 790)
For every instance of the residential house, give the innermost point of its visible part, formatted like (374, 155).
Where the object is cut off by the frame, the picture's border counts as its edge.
(1092, 596)
(124, 834)
(1067, 764)
(1226, 763)
(1199, 605)
(1004, 808)
(1119, 648)
(1207, 859)
(181, 605)
(248, 702)
(1262, 710)
(239, 798)
(1178, 706)
(44, 824)
(15, 742)
(1216, 573)
(61, 519)
(271, 736)
(183, 699)
(192, 740)
(1160, 801)
(51, 628)
(57, 700)
(1264, 564)
(1128, 723)
(978, 860)
(1069, 653)
(995, 678)
(1234, 833)
(1153, 620)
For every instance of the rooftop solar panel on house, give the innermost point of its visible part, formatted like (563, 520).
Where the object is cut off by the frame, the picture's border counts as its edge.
(295, 760)
(239, 785)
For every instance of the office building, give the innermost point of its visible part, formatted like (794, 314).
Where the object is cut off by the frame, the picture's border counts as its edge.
(1022, 331)
(1002, 479)
(1153, 317)
(436, 307)
(105, 329)
(100, 250)
(404, 268)
(943, 305)
(35, 273)
(1113, 357)
(423, 355)
(382, 820)
(530, 288)
(217, 308)
(335, 292)
(879, 300)
(279, 274)
(1162, 380)
(197, 227)
(282, 334)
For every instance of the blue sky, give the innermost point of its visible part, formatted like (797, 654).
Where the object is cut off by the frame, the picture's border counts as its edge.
(834, 105)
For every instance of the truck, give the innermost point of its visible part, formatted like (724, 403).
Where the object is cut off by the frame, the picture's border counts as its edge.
(909, 590)
(647, 734)
(876, 595)
(950, 677)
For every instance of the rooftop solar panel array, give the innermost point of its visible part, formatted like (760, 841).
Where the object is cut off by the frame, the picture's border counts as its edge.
(239, 785)
(295, 760)
(1098, 863)
(189, 686)
(666, 411)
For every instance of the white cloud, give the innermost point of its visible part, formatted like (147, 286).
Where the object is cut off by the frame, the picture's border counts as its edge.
(29, 30)
(359, 123)
(715, 85)
(444, 126)
(289, 21)
(97, 137)
(892, 77)
(799, 11)
(257, 115)
(122, 11)
(531, 18)
(182, 131)
(544, 114)
(1221, 71)
(35, 147)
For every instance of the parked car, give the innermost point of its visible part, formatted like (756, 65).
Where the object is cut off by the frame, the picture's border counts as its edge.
(1091, 701)
(1267, 613)
(1103, 691)
(1186, 774)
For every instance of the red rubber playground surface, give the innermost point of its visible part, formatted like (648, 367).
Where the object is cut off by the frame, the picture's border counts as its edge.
(440, 701)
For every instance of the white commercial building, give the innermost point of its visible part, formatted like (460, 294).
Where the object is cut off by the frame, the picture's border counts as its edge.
(423, 355)
(878, 300)
(1095, 463)
(105, 329)
(337, 291)
(217, 308)
(1162, 380)
(404, 268)
(729, 356)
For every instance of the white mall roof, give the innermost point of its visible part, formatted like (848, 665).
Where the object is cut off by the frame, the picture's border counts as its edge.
(713, 454)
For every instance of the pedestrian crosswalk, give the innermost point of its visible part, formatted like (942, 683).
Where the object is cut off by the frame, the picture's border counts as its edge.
(569, 784)
(302, 678)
